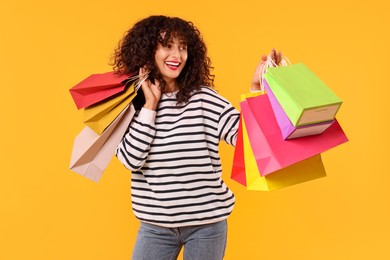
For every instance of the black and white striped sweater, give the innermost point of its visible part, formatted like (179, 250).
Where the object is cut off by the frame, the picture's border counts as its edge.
(173, 155)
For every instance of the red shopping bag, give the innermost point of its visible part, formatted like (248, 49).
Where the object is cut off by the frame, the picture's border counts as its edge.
(97, 87)
(272, 153)
(238, 169)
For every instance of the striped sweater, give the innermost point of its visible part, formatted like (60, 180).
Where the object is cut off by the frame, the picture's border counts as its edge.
(173, 155)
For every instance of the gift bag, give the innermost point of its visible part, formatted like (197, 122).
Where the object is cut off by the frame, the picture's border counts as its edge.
(303, 96)
(271, 152)
(97, 87)
(246, 172)
(288, 130)
(238, 168)
(99, 116)
(92, 153)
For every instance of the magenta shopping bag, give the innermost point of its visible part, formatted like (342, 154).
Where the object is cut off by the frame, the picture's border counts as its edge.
(246, 172)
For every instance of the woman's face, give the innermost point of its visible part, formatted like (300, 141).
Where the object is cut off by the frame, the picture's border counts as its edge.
(171, 59)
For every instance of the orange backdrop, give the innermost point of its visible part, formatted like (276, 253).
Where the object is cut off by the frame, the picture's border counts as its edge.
(48, 212)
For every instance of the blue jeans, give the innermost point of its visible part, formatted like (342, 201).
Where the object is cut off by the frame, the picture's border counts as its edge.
(204, 242)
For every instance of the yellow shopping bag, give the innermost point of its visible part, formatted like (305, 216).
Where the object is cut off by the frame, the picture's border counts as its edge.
(99, 116)
(302, 171)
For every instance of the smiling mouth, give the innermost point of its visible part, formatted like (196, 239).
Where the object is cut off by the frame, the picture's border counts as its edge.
(172, 65)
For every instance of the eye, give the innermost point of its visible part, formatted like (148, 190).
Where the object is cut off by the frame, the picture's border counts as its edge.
(167, 45)
(183, 47)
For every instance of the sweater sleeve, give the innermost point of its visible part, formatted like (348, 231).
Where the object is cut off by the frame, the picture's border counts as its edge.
(228, 124)
(134, 148)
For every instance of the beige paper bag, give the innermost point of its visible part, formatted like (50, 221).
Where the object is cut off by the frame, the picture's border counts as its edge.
(92, 153)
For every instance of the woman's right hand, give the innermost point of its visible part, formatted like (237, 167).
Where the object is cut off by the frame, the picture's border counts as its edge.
(151, 91)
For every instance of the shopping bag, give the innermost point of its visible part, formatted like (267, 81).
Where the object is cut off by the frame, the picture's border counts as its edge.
(289, 131)
(304, 97)
(306, 170)
(97, 87)
(99, 116)
(246, 172)
(238, 168)
(92, 153)
(272, 153)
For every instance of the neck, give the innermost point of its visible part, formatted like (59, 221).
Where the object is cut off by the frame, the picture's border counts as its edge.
(171, 87)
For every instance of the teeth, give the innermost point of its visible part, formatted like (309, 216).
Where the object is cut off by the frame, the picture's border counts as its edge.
(172, 63)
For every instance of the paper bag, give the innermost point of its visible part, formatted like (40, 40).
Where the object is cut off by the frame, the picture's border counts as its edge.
(303, 96)
(290, 131)
(96, 88)
(99, 116)
(272, 153)
(246, 172)
(238, 168)
(92, 153)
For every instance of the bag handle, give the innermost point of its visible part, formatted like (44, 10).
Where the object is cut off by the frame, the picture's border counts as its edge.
(271, 63)
(138, 78)
(141, 80)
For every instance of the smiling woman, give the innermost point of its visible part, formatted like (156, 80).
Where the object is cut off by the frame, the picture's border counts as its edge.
(172, 143)
(150, 39)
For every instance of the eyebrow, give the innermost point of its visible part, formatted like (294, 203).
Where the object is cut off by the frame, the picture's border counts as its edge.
(181, 41)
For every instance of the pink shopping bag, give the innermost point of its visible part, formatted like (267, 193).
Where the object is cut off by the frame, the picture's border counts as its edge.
(246, 172)
(271, 151)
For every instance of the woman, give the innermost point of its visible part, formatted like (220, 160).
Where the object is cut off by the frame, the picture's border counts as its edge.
(172, 143)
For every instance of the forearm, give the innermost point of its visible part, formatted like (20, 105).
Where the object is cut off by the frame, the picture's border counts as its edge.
(135, 145)
(228, 125)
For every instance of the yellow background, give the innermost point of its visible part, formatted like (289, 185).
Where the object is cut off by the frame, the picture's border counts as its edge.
(48, 212)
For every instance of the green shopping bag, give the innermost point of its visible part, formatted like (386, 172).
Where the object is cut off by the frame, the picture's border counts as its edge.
(304, 97)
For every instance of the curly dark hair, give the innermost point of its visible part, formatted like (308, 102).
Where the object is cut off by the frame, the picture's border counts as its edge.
(139, 44)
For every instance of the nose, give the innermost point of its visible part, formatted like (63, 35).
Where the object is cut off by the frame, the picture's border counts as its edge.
(176, 52)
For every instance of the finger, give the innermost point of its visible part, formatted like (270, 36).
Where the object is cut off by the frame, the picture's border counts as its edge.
(157, 83)
(279, 58)
(260, 64)
(255, 83)
(273, 52)
(156, 91)
(263, 58)
(146, 71)
(273, 55)
(154, 87)
(146, 87)
(143, 71)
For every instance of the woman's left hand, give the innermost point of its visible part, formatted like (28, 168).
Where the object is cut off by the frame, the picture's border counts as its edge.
(275, 56)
